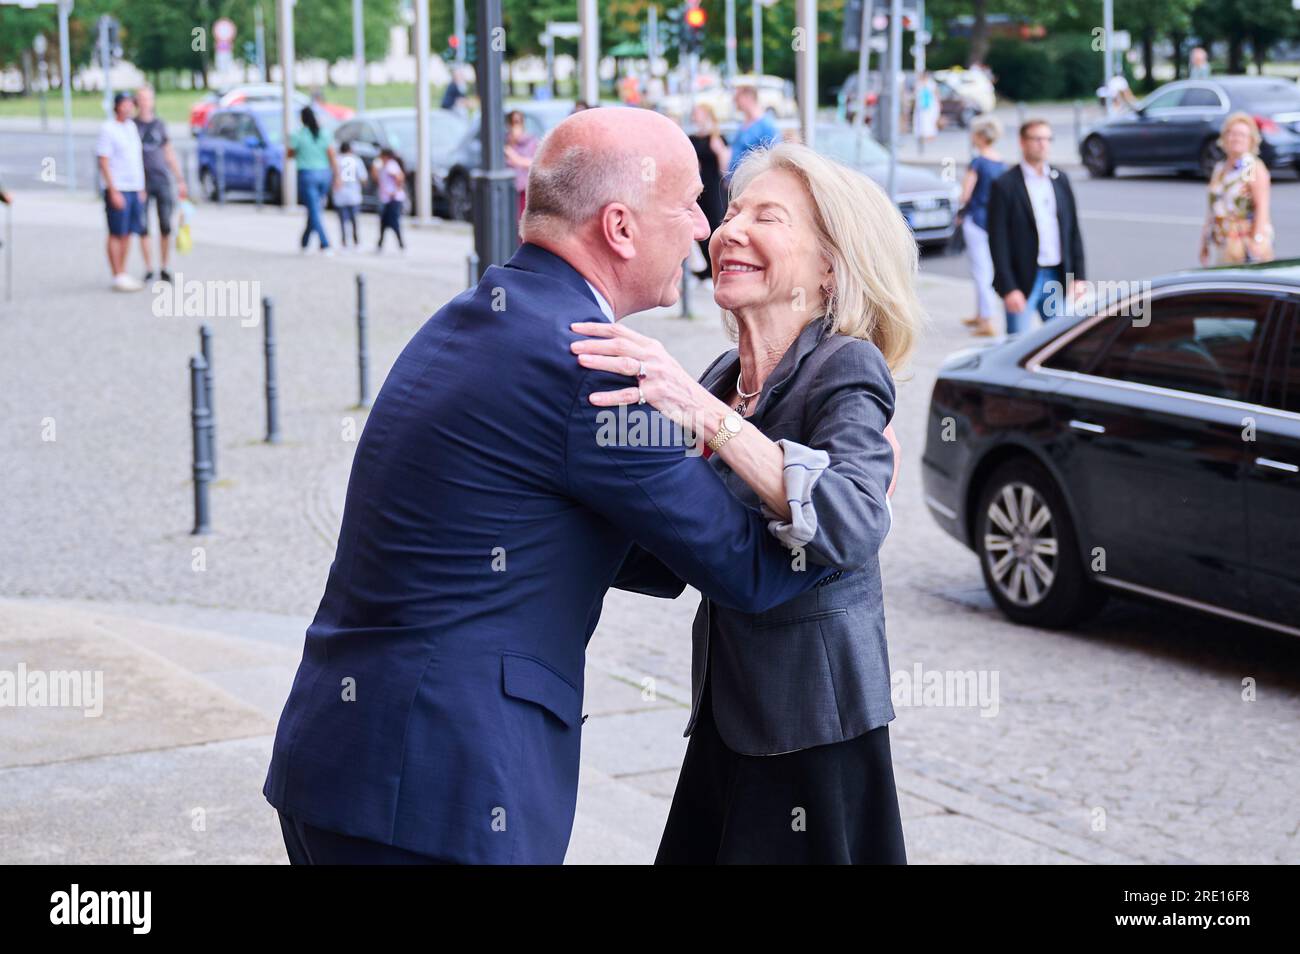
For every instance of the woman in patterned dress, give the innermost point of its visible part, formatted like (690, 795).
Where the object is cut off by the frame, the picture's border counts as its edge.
(1237, 223)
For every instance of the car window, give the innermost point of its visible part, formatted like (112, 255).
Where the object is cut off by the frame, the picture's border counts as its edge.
(220, 126)
(1201, 97)
(1203, 345)
(1277, 96)
(346, 133)
(1079, 354)
(247, 129)
(1290, 392)
(1166, 100)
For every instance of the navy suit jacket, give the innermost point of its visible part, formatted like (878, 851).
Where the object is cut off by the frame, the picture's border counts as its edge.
(438, 705)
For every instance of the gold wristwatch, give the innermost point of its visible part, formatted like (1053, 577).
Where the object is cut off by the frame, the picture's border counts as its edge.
(731, 425)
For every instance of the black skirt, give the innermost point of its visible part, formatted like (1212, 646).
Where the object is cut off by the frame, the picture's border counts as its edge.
(830, 804)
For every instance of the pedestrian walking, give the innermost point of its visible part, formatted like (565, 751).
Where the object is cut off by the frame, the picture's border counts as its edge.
(711, 151)
(985, 167)
(757, 129)
(390, 180)
(1238, 222)
(163, 181)
(317, 163)
(347, 193)
(521, 146)
(121, 168)
(1034, 234)
(1198, 66)
(926, 109)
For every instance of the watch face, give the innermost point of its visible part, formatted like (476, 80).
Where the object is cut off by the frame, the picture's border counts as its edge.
(733, 423)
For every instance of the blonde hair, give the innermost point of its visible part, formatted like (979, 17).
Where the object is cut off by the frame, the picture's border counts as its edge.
(860, 231)
(987, 128)
(1249, 122)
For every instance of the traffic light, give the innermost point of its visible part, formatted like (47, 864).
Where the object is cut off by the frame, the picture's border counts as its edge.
(694, 19)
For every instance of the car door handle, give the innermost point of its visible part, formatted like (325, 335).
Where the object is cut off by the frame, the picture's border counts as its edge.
(1087, 427)
(1281, 465)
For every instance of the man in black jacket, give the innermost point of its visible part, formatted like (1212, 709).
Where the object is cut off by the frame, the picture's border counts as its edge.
(1034, 233)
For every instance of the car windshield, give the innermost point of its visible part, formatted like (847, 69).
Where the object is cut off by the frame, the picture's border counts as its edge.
(850, 146)
(445, 130)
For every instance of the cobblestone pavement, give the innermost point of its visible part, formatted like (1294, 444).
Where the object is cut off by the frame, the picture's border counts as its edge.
(1125, 741)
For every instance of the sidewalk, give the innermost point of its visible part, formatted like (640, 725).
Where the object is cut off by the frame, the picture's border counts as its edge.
(99, 573)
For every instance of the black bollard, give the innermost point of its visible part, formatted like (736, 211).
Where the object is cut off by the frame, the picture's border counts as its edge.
(686, 295)
(363, 348)
(205, 348)
(272, 396)
(200, 420)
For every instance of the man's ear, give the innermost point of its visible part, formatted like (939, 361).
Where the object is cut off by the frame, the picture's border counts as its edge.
(618, 229)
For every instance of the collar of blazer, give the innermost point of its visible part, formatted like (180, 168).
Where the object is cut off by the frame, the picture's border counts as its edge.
(720, 378)
(534, 258)
(1022, 190)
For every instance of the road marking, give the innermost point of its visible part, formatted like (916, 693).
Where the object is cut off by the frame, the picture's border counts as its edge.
(1145, 219)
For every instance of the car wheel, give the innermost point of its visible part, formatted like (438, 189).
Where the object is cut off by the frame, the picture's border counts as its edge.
(1208, 158)
(460, 200)
(273, 193)
(208, 184)
(1096, 158)
(1028, 549)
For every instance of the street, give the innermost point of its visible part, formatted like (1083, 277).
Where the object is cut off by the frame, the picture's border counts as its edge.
(1127, 741)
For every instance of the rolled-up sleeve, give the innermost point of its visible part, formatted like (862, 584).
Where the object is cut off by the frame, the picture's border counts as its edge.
(837, 482)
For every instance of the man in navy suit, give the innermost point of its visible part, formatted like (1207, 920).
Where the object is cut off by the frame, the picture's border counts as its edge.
(436, 715)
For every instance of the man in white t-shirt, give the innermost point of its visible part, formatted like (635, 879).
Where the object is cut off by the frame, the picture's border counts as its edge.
(121, 167)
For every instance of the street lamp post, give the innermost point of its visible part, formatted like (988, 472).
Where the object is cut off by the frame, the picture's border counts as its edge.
(756, 14)
(495, 201)
(588, 53)
(289, 180)
(359, 53)
(423, 160)
(806, 68)
(895, 91)
(731, 42)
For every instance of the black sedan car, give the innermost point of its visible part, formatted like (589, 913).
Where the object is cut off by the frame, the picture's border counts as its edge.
(1177, 126)
(1151, 448)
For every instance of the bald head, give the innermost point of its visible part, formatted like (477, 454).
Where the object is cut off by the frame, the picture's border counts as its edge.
(598, 156)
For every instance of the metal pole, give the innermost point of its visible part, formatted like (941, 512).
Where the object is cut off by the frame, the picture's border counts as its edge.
(864, 72)
(105, 56)
(9, 252)
(756, 17)
(65, 70)
(289, 178)
(731, 43)
(363, 345)
(895, 76)
(202, 466)
(423, 161)
(588, 53)
(806, 69)
(471, 270)
(221, 174)
(359, 53)
(1078, 122)
(1107, 53)
(495, 201)
(458, 27)
(272, 388)
(209, 395)
(260, 175)
(550, 61)
(259, 41)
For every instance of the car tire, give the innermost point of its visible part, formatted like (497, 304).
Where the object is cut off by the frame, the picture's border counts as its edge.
(1097, 159)
(208, 184)
(1208, 158)
(460, 199)
(1028, 549)
(274, 194)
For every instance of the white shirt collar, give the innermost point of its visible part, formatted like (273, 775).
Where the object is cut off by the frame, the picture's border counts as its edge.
(600, 300)
(1030, 172)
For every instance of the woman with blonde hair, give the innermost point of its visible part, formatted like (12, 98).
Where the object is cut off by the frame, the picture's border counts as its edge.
(1237, 222)
(985, 166)
(789, 759)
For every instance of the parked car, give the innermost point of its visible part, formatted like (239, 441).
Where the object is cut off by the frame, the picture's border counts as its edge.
(955, 107)
(1177, 126)
(1148, 447)
(255, 94)
(395, 129)
(926, 199)
(972, 85)
(454, 189)
(776, 96)
(242, 148)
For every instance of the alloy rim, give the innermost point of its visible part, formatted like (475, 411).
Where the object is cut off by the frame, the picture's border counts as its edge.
(1020, 544)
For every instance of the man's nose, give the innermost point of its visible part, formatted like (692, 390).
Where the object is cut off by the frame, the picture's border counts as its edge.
(701, 224)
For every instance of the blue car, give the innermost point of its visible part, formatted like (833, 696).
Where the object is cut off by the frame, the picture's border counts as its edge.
(241, 151)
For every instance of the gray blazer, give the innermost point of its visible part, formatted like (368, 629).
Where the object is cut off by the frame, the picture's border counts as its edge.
(814, 670)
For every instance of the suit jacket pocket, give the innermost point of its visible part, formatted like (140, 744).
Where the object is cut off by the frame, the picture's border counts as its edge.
(762, 623)
(524, 677)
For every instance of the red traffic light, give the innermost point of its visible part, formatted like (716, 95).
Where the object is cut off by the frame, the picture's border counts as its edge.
(696, 17)
(453, 41)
